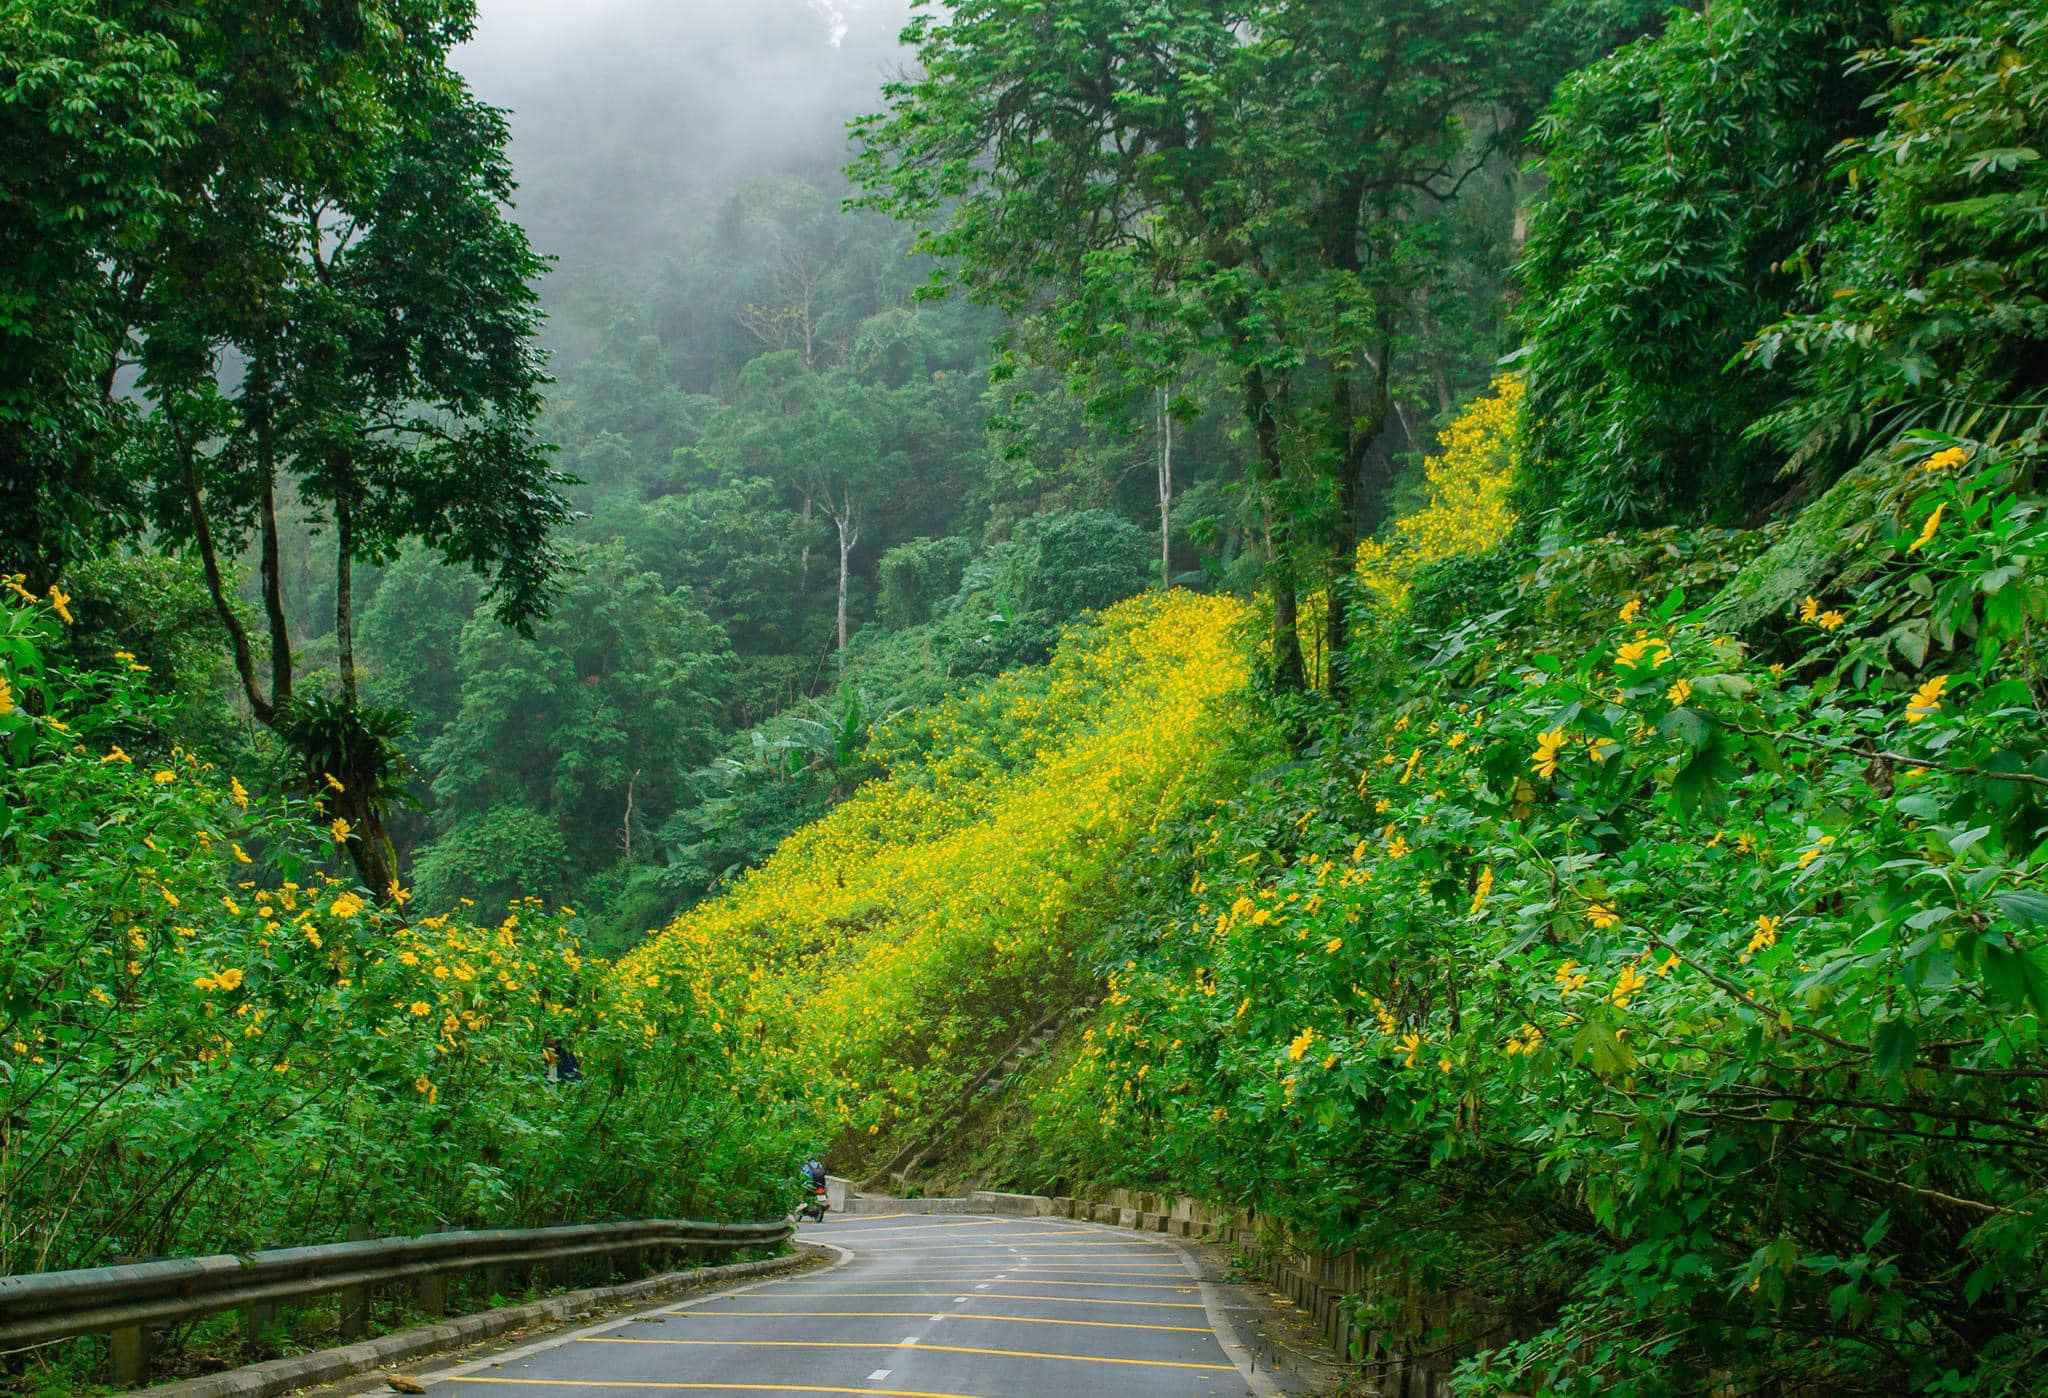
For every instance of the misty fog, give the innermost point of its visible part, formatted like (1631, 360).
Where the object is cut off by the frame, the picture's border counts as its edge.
(630, 117)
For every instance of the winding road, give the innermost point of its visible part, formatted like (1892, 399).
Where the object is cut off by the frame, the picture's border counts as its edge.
(928, 1306)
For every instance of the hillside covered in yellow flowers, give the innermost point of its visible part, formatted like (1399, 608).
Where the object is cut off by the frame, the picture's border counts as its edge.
(882, 955)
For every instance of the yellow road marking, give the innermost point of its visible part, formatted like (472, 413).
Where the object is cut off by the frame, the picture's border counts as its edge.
(1054, 1281)
(965, 1315)
(1134, 1271)
(705, 1387)
(994, 1239)
(921, 1348)
(994, 1296)
(926, 1227)
(866, 1218)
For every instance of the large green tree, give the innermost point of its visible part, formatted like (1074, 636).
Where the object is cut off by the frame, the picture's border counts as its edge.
(594, 717)
(98, 107)
(344, 310)
(1248, 181)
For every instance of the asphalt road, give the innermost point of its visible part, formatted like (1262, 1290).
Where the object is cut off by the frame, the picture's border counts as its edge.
(932, 1306)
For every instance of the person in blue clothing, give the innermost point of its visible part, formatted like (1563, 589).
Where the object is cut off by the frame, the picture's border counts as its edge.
(813, 1203)
(561, 1064)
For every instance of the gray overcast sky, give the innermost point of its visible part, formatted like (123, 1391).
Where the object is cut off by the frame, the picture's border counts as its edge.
(620, 107)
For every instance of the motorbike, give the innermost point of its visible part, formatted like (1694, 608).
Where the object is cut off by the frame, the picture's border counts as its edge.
(814, 1203)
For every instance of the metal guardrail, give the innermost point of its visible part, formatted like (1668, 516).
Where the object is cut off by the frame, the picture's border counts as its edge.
(125, 1302)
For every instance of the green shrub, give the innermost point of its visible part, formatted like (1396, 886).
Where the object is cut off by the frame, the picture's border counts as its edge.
(209, 1044)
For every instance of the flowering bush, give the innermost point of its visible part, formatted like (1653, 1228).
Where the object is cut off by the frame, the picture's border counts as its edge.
(1683, 990)
(1465, 510)
(209, 1042)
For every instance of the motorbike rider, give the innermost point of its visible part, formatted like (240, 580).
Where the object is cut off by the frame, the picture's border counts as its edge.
(814, 1185)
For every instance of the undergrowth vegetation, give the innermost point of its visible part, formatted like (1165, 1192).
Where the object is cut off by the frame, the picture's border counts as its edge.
(1677, 990)
(208, 1041)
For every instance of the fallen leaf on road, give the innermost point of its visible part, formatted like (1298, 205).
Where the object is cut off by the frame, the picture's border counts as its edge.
(405, 1383)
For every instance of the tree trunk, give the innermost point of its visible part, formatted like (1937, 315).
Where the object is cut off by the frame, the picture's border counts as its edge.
(369, 843)
(1361, 503)
(272, 568)
(627, 828)
(344, 596)
(209, 561)
(1289, 676)
(1165, 494)
(848, 537)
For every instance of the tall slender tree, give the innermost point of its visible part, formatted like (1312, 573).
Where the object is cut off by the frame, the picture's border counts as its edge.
(348, 313)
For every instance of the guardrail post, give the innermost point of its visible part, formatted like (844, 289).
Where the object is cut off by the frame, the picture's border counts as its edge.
(255, 1320)
(129, 1349)
(434, 1294)
(353, 1302)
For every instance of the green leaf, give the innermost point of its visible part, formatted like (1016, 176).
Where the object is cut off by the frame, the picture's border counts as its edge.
(2026, 906)
(1892, 1048)
(2015, 977)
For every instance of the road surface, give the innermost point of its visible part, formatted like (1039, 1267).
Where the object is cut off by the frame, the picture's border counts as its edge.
(931, 1306)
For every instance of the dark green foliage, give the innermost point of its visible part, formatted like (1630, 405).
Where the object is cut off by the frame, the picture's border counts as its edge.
(913, 578)
(492, 857)
(97, 108)
(411, 629)
(1684, 173)
(1465, 585)
(593, 716)
(1928, 304)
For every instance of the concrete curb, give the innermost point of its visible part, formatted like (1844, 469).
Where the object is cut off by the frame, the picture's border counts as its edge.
(280, 1376)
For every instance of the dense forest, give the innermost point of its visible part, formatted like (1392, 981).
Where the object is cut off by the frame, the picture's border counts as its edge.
(1450, 590)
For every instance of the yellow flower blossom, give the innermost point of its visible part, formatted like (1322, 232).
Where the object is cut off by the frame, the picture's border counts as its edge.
(60, 603)
(1765, 936)
(346, 905)
(241, 857)
(1625, 986)
(420, 1008)
(1411, 1045)
(1927, 530)
(1602, 916)
(1945, 460)
(1679, 692)
(339, 828)
(1926, 701)
(332, 783)
(1480, 889)
(1300, 1045)
(237, 792)
(1544, 759)
(1631, 609)
(164, 777)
